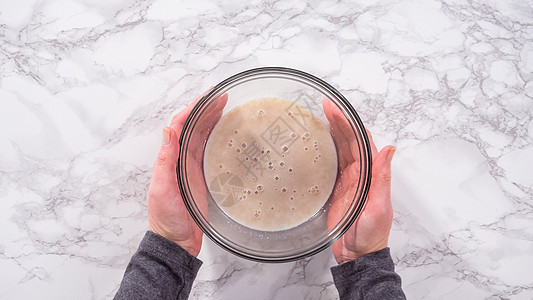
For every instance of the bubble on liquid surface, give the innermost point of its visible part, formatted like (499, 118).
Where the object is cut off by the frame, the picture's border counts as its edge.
(259, 187)
(276, 178)
(284, 148)
(235, 131)
(243, 145)
(313, 190)
(257, 214)
(284, 189)
(238, 150)
(220, 166)
(290, 169)
(261, 113)
(294, 135)
(281, 163)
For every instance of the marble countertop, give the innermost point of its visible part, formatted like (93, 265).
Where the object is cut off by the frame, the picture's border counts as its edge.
(86, 86)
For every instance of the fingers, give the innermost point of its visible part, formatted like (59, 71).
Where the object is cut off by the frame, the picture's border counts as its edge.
(205, 123)
(213, 113)
(336, 119)
(381, 178)
(195, 146)
(372, 145)
(179, 120)
(164, 177)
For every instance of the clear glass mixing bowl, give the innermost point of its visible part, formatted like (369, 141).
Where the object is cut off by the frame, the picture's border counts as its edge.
(353, 176)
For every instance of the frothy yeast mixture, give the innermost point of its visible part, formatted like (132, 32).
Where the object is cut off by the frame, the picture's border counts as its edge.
(270, 164)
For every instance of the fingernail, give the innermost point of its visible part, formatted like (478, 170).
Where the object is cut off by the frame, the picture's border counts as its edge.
(166, 136)
(391, 154)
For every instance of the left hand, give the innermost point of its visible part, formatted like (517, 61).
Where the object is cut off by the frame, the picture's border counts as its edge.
(168, 216)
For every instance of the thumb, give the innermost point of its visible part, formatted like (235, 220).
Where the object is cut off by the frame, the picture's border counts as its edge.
(381, 176)
(164, 176)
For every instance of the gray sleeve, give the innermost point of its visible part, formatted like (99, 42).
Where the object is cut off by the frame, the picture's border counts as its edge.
(160, 269)
(369, 277)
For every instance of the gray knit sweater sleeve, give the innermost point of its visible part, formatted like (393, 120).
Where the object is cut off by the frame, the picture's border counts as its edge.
(369, 277)
(160, 269)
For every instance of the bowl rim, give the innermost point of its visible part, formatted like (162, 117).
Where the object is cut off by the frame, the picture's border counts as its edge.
(304, 77)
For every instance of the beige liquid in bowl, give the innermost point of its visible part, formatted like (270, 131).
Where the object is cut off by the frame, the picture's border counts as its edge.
(270, 164)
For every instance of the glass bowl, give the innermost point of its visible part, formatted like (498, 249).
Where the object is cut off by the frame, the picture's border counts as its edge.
(352, 181)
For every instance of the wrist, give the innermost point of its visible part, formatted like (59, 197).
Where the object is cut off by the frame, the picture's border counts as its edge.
(348, 255)
(187, 245)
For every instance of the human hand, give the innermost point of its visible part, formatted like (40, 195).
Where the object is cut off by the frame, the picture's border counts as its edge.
(167, 214)
(370, 232)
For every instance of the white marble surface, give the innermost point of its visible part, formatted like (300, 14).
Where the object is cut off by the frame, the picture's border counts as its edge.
(86, 86)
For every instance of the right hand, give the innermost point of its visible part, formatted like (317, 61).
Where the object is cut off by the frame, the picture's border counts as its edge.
(370, 232)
